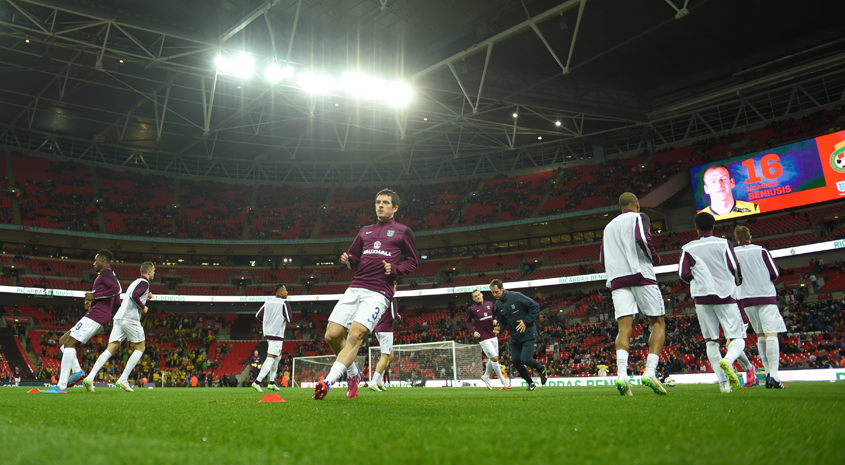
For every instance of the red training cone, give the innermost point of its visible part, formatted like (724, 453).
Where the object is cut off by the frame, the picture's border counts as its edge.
(33, 390)
(271, 398)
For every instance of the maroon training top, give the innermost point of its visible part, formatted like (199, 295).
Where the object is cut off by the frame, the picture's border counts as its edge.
(386, 241)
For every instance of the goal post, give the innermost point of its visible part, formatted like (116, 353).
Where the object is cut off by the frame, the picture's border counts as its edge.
(443, 361)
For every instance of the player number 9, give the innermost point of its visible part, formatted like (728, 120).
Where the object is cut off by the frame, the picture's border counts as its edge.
(769, 165)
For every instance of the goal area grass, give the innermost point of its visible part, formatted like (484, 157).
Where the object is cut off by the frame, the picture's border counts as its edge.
(693, 424)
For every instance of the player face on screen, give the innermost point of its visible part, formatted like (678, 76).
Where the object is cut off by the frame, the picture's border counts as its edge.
(385, 208)
(497, 292)
(719, 184)
(477, 297)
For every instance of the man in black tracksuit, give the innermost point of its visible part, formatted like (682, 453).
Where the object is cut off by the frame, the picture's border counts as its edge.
(518, 313)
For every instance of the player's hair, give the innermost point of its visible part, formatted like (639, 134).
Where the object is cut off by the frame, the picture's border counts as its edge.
(106, 254)
(146, 267)
(474, 291)
(705, 221)
(497, 283)
(713, 167)
(627, 198)
(742, 233)
(394, 197)
(276, 289)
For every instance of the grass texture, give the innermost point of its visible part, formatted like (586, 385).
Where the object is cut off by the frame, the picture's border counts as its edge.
(584, 425)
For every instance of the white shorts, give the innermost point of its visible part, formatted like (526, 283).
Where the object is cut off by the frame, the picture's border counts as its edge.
(710, 317)
(385, 342)
(127, 329)
(361, 305)
(647, 299)
(85, 329)
(490, 347)
(274, 348)
(765, 319)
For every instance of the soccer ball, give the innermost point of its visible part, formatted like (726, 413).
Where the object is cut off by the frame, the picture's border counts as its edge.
(144, 381)
(669, 382)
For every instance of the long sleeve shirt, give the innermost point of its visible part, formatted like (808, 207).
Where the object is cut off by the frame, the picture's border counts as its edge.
(513, 307)
(709, 264)
(106, 296)
(483, 316)
(627, 252)
(136, 299)
(385, 241)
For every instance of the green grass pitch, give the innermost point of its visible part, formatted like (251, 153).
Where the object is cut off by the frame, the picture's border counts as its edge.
(693, 424)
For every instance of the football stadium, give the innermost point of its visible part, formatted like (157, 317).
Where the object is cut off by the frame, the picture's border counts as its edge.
(406, 231)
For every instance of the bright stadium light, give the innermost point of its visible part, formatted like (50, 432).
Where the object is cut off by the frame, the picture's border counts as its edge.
(241, 65)
(557, 123)
(315, 84)
(398, 94)
(515, 115)
(361, 87)
(276, 73)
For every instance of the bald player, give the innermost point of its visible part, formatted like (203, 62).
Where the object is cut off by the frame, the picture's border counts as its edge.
(629, 256)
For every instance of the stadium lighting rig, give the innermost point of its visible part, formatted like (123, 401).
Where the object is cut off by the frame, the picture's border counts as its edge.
(353, 85)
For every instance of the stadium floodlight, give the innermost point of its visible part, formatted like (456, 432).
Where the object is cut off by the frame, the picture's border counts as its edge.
(539, 137)
(276, 73)
(315, 84)
(241, 65)
(557, 123)
(515, 115)
(362, 87)
(398, 94)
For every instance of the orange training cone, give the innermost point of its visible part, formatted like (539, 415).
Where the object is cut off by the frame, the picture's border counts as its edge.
(33, 390)
(271, 398)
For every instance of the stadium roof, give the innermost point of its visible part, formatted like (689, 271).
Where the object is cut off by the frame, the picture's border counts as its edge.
(616, 74)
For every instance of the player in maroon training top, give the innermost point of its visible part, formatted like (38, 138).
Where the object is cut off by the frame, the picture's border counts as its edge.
(375, 256)
(482, 313)
(384, 334)
(100, 305)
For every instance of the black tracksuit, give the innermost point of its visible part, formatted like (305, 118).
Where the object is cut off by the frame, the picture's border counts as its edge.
(512, 307)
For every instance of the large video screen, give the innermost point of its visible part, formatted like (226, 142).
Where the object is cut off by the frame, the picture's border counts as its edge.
(793, 175)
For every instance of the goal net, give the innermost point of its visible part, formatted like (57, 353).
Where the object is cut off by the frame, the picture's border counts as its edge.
(417, 363)
(306, 371)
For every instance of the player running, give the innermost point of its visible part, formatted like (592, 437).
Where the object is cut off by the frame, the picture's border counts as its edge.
(127, 325)
(100, 304)
(384, 334)
(629, 256)
(709, 264)
(482, 312)
(275, 314)
(519, 312)
(758, 297)
(374, 255)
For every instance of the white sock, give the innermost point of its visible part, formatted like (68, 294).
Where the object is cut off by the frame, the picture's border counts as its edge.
(352, 371)
(67, 356)
(488, 369)
(744, 362)
(338, 370)
(622, 363)
(773, 354)
(265, 368)
(76, 366)
(274, 370)
(714, 356)
(735, 348)
(101, 360)
(651, 365)
(761, 349)
(130, 365)
(377, 378)
(498, 369)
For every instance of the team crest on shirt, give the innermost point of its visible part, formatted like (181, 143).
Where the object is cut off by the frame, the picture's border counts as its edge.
(513, 306)
(391, 232)
(488, 307)
(377, 245)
